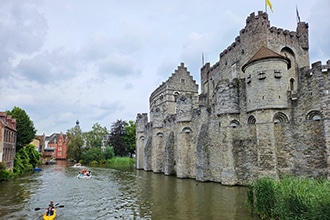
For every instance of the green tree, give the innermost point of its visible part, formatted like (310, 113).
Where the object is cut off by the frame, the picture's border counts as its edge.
(108, 153)
(24, 126)
(92, 154)
(95, 137)
(116, 138)
(129, 136)
(76, 143)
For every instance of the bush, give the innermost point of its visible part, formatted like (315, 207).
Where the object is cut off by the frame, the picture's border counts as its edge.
(4, 173)
(290, 198)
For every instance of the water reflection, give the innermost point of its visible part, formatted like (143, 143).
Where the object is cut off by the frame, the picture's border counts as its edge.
(119, 194)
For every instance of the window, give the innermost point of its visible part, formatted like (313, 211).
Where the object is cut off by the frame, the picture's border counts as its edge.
(314, 115)
(261, 75)
(234, 123)
(280, 117)
(291, 84)
(248, 79)
(251, 120)
(233, 71)
(277, 74)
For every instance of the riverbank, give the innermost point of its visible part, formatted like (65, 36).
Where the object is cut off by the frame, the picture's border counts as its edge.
(290, 198)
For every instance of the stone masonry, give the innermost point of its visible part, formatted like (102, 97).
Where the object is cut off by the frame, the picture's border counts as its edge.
(262, 111)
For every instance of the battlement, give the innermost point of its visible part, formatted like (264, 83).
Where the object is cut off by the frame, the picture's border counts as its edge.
(317, 66)
(141, 115)
(259, 23)
(207, 68)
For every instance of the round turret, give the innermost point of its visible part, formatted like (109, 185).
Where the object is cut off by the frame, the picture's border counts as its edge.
(266, 76)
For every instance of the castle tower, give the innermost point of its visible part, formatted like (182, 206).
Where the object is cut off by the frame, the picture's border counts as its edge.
(266, 76)
(163, 100)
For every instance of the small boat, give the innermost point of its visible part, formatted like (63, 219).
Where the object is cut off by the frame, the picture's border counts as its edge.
(52, 161)
(49, 217)
(77, 165)
(82, 176)
(36, 169)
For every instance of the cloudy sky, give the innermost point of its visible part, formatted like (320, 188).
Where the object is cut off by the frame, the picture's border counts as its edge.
(98, 61)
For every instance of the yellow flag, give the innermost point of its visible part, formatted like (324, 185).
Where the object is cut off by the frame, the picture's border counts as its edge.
(269, 4)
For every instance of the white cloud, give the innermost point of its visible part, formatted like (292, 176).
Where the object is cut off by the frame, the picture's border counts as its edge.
(99, 61)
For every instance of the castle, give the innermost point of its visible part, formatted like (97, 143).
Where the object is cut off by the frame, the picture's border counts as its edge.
(262, 111)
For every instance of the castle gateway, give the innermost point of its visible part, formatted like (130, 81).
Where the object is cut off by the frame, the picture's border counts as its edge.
(262, 111)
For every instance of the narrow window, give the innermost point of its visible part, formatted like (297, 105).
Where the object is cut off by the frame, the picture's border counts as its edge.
(233, 71)
(291, 84)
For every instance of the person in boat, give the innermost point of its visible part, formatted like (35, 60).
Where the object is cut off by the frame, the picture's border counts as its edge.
(80, 175)
(50, 209)
(88, 173)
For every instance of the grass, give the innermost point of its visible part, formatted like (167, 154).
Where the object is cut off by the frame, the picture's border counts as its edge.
(290, 198)
(121, 161)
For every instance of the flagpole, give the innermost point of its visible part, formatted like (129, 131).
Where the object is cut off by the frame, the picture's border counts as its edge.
(265, 6)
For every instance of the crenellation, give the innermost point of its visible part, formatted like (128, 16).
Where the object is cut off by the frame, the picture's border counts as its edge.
(263, 110)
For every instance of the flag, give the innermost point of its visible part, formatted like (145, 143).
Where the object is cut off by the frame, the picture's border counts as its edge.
(298, 17)
(269, 4)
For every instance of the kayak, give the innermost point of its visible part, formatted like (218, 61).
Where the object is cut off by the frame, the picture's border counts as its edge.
(36, 169)
(49, 217)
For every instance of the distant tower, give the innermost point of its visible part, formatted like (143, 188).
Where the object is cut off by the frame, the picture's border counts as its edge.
(77, 124)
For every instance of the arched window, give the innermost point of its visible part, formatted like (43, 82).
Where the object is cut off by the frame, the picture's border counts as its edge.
(251, 120)
(159, 134)
(186, 130)
(314, 115)
(280, 117)
(234, 123)
(291, 84)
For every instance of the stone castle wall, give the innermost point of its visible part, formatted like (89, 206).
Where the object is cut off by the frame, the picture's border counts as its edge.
(271, 119)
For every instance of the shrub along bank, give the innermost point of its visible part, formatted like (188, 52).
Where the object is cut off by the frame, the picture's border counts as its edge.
(25, 159)
(290, 198)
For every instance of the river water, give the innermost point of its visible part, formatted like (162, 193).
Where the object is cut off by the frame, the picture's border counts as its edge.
(119, 194)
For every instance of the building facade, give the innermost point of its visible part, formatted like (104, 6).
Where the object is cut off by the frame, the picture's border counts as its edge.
(262, 111)
(7, 140)
(58, 143)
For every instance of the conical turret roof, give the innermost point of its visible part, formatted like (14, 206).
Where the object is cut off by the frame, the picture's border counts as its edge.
(265, 53)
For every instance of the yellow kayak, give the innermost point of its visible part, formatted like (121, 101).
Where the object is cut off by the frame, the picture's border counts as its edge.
(50, 217)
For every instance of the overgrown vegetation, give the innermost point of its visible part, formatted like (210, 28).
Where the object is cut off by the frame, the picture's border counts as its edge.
(99, 145)
(26, 156)
(4, 173)
(290, 198)
(25, 159)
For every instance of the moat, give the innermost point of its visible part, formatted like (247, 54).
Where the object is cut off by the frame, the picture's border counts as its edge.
(119, 194)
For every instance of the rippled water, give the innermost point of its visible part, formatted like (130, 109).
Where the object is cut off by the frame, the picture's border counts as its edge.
(119, 194)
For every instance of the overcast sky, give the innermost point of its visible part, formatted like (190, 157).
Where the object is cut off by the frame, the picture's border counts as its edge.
(98, 61)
